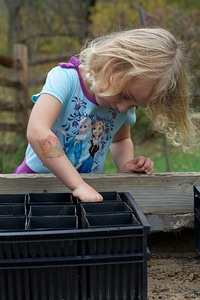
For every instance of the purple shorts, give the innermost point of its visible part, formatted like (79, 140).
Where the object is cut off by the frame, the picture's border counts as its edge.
(23, 168)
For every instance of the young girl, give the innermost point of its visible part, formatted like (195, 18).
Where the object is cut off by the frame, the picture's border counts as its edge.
(113, 75)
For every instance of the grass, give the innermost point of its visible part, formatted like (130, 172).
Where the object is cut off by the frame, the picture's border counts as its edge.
(153, 148)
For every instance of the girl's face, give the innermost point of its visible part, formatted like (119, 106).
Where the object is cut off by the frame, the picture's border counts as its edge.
(137, 94)
(84, 128)
(97, 130)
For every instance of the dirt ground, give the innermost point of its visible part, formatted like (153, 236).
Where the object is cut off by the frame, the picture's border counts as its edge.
(174, 267)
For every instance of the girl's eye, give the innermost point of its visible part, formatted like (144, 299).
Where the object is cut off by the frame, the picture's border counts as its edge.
(125, 96)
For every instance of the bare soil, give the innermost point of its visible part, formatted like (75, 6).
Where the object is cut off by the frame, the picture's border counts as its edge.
(174, 267)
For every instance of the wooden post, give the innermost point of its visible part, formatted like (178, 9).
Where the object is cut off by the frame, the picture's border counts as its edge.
(20, 57)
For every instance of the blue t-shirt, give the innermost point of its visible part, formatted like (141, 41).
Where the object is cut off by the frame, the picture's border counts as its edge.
(85, 129)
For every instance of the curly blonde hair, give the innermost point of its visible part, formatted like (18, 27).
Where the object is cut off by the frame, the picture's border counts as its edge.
(153, 55)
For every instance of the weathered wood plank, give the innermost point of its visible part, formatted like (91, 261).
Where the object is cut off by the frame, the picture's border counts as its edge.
(160, 193)
(9, 106)
(6, 61)
(10, 127)
(10, 83)
(57, 58)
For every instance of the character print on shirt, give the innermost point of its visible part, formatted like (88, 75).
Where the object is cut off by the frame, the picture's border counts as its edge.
(86, 138)
(97, 131)
(82, 148)
(95, 145)
(78, 146)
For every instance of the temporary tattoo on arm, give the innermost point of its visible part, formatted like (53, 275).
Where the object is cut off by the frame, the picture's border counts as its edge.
(51, 147)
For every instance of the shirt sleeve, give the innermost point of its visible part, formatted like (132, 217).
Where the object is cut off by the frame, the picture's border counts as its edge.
(58, 83)
(131, 117)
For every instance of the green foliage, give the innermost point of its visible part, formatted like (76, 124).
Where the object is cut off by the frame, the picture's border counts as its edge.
(143, 128)
(185, 24)
(47, 27)
(182, 18)
(154, 148)
(8, 162)
(113, 15)
(3, 32)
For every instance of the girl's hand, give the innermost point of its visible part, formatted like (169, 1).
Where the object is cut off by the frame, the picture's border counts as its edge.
(139, 164)
(86, 193)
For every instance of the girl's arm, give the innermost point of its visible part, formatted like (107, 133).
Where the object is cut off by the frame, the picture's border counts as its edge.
(49, 149)
(122, 151)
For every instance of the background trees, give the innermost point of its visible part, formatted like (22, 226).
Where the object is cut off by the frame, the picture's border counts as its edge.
(52, 27)
(47, 27)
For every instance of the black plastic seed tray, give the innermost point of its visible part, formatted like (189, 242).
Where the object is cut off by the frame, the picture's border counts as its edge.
(12, 199)
(39, 283)
(15, 223)
(105, 214)
(197, 217)
(12, 209)
(51, 222)
(125, 277)
(49, 198)
(104, 262)
(109, 220)
(52, 210)
(110, 196)
(105, 207)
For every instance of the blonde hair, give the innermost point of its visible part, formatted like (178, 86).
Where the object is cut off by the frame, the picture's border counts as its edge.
(153, 55)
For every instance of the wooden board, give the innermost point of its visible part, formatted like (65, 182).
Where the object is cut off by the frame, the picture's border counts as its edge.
(160, 193)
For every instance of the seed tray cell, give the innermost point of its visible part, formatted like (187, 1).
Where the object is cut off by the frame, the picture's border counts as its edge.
(52, 210)
(49, 198)
(8, 223)
(12, 199)
(12, 210)
(110, 196)
(109, 220)
(104, 207)
(52, 222)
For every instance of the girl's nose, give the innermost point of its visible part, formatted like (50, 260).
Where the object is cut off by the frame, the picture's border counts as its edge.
(122, 107)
